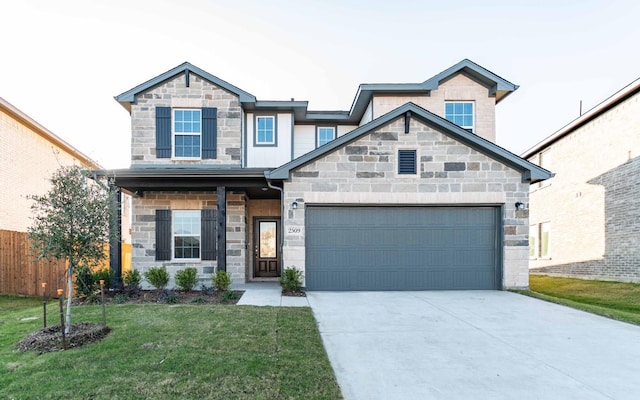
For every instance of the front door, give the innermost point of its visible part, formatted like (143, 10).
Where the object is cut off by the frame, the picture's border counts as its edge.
(266, 247)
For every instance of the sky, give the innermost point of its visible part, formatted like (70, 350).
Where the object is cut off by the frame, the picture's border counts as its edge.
(61, 62)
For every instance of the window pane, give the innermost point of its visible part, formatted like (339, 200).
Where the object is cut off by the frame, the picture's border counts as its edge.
(545, 229)
(187, 146)
(325, 135)
(264, 130)
(268, 247)
(187, 247)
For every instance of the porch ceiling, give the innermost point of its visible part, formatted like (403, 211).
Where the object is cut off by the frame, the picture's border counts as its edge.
(140, 180)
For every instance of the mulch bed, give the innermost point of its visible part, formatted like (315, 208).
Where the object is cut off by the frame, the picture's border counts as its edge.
(298, 293)
(194, 297)
(50, 338)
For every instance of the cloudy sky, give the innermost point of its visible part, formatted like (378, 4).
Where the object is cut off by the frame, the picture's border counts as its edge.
(63, 61)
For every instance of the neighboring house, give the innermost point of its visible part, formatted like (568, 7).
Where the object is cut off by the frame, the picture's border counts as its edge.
(388, 195)
(29, 155)
(585, 222)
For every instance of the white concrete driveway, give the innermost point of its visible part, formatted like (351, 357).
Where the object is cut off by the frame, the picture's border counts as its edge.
(474, 345)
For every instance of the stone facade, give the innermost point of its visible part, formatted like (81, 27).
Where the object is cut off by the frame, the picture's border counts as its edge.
(458, 88)
(450, 172)
(174, 93)
(592, 204)
(143, 232)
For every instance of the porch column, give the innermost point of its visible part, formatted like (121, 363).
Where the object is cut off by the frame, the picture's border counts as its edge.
(115, 237)
(221, 228)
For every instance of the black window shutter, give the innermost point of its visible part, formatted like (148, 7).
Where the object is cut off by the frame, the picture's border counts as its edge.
(209, 132)
(208, 234)
(163, 235)
(406, 162)
(163, 132)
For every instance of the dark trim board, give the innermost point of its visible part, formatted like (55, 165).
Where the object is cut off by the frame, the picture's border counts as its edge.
(403, 248)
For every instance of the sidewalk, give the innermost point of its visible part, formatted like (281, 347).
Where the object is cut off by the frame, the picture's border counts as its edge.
(267, 294)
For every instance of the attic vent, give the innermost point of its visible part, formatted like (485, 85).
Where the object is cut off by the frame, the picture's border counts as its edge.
(407, 162)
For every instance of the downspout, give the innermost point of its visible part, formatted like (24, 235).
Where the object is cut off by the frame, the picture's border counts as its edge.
(281, 190)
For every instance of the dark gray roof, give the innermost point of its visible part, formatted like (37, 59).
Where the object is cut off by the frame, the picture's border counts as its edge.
(497, 87)
(129, 95)
(530, 171)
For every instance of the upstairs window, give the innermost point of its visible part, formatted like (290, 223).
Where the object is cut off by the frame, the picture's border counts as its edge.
(325, 135)
(186, 133)
(187, 129)
(460, 113)
(265, 130)
(407, 162)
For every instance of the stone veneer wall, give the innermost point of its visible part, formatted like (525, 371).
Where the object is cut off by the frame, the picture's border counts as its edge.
(175, 94)
(458, 88)
(364, 172)
(143, 232)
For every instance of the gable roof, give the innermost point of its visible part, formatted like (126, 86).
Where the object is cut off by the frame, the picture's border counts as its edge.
(611, 102)
(530, 172)
(128, 97)
(498, 87)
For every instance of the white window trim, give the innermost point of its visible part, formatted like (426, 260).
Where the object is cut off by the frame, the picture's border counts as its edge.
(173, 235)
(256, 127)
(174, 134)
(318, 128)
(473, 113)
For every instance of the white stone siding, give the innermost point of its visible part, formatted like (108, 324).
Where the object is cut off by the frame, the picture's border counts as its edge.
(27, 161)
(458, 88)
(174, 93)
(364, 172)
(584, 224)
(143, 232)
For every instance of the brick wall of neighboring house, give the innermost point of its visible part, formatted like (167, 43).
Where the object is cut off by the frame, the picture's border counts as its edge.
(28, 158)
(591, 204)
(144, 240)
(175, 94)
(364, 172)
(458, 88)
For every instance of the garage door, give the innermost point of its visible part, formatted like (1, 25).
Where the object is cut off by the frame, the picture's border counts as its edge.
(402, 248)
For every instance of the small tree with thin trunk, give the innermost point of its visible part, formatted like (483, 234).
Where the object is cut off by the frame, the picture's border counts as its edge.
(71, 222)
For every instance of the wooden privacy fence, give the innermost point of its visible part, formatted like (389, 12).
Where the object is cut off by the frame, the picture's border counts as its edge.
(21, 273)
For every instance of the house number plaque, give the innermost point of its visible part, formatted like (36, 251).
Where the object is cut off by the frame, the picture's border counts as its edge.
(294, 229)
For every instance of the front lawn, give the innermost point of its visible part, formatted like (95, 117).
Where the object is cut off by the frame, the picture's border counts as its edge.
(611, 299)
(169, 352)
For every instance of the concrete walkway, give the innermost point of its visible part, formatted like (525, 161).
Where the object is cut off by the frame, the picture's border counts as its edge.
(474, 345)
(267, 294)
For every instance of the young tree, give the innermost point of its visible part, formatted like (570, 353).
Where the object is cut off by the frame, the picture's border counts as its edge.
(71, 222)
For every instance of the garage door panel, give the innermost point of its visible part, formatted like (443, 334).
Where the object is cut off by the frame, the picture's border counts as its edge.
(401, 248)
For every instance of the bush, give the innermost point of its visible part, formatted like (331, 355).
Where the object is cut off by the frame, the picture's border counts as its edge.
(120, 298)
(228, 296)
(158, 277)
(291, 280)
(221, 280)
(186, 278)
(88, 282)
(132, 278)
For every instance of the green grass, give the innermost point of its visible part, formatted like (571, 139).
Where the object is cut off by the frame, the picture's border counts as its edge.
(169, 352)
(615, 300)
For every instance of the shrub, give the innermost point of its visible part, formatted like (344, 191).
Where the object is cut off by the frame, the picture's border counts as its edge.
(120, 298)
(228, 296)
(186, 278)
(88, 282)
(172, 298)
(291, 280)
(158, 277)
(132, 278)
(198, 300)
(221, 280)
(206, 290)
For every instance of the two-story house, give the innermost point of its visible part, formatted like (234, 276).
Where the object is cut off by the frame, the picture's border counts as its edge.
(405, 190)
(585, 222)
